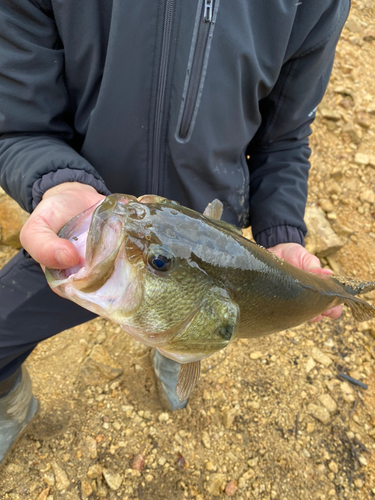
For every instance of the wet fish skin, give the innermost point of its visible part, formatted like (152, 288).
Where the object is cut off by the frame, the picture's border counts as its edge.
(188, 284)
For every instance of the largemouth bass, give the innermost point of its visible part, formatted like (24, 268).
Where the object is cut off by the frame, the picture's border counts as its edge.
(187, 284)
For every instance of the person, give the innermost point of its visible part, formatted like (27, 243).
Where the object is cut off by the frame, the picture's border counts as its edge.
(189, 100)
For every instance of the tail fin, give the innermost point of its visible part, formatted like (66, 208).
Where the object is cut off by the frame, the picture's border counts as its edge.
(353, 286)
(361, 310)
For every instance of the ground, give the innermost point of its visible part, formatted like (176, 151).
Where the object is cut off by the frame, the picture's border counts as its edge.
(271, 419)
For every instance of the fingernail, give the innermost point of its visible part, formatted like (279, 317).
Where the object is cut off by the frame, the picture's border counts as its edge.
(63, 257)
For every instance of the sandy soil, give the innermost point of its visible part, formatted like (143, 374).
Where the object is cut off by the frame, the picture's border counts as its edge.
(270, 419)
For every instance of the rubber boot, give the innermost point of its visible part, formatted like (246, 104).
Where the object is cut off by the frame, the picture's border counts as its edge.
(17, 408)
(167, 371)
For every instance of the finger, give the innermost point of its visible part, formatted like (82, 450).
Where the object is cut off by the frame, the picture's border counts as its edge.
(333, 313)
(316, 319)
(40, 240)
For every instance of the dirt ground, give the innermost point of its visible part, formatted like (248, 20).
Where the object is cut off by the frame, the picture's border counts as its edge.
(271, 419)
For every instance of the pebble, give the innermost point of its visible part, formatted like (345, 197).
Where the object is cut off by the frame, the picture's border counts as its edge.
(138, 462)
(326, 205)
(320, 357)
(206, 440)
(216, 484)
(228, 417)
(230, 489)
(347, 392)
(112, 478)
(95, 471)
(210, 466)
(367, 195)
(361, 159)
(358, 483)
(163, 417)
(256, 355)
(328, 402)
(49, 479)
(61, 478)
(310, 428)
(43, 495)
(86, 489)
(332, 466)
(100, 365)
(12, 219)
(319, 412)
(321, 239)
(310, 364)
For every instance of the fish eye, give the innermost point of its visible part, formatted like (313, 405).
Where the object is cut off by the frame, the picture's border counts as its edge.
(160, 262)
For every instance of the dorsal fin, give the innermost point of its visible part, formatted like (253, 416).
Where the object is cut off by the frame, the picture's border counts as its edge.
(187, 379)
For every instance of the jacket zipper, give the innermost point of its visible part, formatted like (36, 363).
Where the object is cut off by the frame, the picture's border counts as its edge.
(195, 71)
(160, 95)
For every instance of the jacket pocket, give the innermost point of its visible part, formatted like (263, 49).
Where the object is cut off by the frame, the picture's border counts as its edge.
(197, 67)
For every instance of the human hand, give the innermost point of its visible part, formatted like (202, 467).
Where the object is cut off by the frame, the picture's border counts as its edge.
(298, 256)
(59, 204)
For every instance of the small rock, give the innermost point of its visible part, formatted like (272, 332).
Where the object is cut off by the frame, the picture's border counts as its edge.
(328, 402)
(230, 489)
(351, 133)
(43, 495)
(310, 428)
(210, 466)
(138, 462)
(62, 481)
(89, 447)
(330, 114)
(353, 25)
(100, 367)
(320, 357)
(206, 440)
(112, 478)
(244, 480)
(332, 466)
(310, 364)
(95, 471)
(12, 218)
(216, 484)
(49, 479)
(321, 238)
(256, 355)
(163, 417)
(361, 159)
(367, 195)
(347, 392)
(228, 417)
(86, 489)
(363, 119)
(326, 205)
(320, 413)
(101, 337)
(358, 483)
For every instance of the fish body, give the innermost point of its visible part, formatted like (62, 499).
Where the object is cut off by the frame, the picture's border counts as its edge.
(188, 283)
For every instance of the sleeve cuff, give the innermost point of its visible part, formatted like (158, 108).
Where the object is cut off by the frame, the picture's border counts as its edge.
(53, 179)
(280, 234)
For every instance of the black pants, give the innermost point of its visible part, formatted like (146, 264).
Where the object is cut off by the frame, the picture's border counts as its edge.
(30, 312)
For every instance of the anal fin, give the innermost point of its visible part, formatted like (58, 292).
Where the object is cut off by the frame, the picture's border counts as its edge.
(187, 379)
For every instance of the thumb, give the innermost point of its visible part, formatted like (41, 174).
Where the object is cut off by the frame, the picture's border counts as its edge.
(38, 237)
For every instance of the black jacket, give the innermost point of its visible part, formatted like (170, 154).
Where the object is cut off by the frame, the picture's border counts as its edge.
(190, 100)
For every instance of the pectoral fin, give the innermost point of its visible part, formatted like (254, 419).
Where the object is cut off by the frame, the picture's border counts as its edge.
(187, 379)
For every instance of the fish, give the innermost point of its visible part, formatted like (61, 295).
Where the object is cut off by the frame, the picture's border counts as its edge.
(188, 283)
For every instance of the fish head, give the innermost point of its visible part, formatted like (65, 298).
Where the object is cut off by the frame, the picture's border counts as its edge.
(141, 267)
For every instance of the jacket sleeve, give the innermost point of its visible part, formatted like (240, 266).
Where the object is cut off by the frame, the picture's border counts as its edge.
(279, 152)
(36, 132)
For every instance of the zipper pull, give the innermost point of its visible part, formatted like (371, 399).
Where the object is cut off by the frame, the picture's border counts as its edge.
(208, 8)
